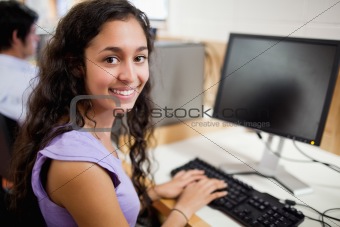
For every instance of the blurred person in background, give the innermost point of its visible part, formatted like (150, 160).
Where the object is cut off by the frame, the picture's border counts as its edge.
(18, 42)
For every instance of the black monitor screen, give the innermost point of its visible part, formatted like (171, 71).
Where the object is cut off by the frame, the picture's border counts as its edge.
(279, 85)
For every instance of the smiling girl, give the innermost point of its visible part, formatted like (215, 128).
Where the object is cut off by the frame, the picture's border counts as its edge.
(68, 177)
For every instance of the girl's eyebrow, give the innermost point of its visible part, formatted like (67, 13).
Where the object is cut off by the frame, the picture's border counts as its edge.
(119, 50)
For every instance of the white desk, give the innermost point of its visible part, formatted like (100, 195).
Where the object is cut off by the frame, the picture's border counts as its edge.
(237, 145)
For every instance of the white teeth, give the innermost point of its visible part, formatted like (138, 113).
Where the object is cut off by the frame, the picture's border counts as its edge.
(125, 92)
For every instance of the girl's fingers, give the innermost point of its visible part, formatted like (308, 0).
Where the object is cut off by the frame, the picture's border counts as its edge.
(210, 185)
(193, 179)
(179, 174)
(216, 195)
(185, 174)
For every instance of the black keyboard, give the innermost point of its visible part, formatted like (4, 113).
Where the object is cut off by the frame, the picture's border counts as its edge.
(245, 204)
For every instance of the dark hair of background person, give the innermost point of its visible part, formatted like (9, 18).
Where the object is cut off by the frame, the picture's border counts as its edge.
(61, 79)
(15, 16)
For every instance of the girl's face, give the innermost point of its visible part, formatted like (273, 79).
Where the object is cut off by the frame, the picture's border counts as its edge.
(117, 65)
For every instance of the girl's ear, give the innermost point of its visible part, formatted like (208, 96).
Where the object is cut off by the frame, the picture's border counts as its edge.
(76, 67)
(78, 72)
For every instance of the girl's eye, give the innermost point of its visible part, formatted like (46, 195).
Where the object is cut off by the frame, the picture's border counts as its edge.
(112, 60)
(140, 59)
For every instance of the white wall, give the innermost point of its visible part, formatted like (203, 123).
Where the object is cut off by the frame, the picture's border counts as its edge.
(215, 19)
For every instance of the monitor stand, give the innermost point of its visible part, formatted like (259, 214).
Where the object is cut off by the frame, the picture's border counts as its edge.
(269, 167)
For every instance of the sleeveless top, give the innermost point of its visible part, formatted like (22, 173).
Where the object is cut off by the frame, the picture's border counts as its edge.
(82, 146)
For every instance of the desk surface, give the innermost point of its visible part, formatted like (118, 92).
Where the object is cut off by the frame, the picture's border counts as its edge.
(238, 145)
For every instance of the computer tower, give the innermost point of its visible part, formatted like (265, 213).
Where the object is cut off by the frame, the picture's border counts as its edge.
(177, 76)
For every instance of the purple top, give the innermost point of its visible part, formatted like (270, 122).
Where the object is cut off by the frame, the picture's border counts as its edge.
(82, 146)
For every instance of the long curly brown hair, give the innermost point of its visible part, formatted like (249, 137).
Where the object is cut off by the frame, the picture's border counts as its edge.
(61, 78)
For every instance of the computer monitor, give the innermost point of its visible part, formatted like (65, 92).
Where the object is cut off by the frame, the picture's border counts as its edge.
(279, 85)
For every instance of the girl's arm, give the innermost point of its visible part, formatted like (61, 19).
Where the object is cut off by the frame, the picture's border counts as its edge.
(86, 191)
